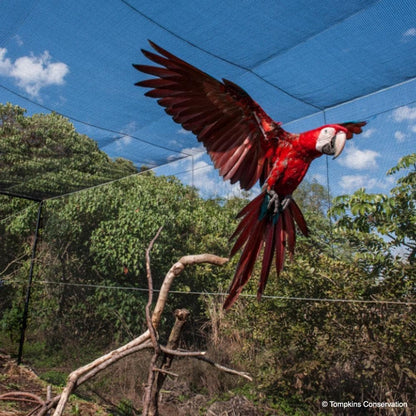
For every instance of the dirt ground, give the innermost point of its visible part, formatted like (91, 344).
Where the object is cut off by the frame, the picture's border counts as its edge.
(14, 378)
(21, 379)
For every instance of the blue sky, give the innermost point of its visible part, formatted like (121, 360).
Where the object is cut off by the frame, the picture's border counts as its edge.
(356, 60)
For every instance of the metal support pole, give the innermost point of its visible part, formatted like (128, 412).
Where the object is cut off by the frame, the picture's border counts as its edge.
(29, 286)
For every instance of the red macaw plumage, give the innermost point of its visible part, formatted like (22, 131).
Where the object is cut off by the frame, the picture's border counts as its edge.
(247, 146)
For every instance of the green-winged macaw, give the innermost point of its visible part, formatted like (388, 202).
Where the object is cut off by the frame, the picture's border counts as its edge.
(246, 146)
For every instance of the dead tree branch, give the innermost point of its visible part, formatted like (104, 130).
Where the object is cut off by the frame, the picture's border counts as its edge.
(223, 368)
(82, 374)
(20, 396)
(181, 316)
(152, 331)
(148, 339)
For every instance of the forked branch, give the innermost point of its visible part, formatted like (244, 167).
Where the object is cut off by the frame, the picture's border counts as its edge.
(146, 340)
(82, 374)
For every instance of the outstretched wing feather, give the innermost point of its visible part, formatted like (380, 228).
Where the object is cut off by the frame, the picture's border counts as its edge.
(211, 110)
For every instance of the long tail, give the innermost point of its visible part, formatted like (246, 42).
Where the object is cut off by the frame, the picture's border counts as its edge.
(260, 228)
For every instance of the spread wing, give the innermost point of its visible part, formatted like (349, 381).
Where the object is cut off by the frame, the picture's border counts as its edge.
(353, 127)
(238, 135)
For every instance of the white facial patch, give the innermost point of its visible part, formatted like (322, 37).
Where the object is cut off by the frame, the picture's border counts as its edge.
(325, 137)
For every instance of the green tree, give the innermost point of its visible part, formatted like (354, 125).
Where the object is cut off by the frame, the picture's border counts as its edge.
(40, 156)
(304, 349)
(43, 155)
(93, 244)
(393, 216)
(102, 235)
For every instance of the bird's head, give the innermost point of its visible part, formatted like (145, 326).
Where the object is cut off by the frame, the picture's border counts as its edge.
(330, 139)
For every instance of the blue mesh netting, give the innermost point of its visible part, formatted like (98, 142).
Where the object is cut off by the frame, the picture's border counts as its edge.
(305, 62)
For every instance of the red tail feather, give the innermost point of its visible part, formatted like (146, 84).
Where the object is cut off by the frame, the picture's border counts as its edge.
(253, 233)
(267, 258)
(298, 216)
(246, 264)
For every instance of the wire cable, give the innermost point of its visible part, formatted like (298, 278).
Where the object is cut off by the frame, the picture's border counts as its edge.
(246, 295)
(93, 125)
(221, 58)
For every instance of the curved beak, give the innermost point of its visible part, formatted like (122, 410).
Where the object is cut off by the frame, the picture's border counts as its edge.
(339, 144)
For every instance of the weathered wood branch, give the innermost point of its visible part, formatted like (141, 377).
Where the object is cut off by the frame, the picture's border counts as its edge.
(21, 396)
(225, 369)
(174, 271)
(82, 374)
(147, 399)
(181, 316)
(148, 339)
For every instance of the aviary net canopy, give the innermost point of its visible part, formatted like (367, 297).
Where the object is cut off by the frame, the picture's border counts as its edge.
(305, 62)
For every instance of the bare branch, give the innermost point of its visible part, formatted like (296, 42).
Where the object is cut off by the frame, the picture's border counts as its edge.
(181, 316)
(203, 258)
(22, 397)
(168, 373)
(151, 328)
(223, 368)
(15, 260)
(181, 353)
(174, 271)
(84, 373)
(152, 331)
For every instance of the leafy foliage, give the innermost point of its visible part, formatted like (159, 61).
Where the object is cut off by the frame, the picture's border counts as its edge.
(325, 334)
(304, 348)
(43, 156)
(99, 238)
(391, 216)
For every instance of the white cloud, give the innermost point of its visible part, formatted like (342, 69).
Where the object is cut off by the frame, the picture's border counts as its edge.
(18, 40)
(404, 113)
(122, 142)
(5, 64)
(185, 132)
(203, 175)
(359, 159)
(410, 32)
(211, 185)
(350, 183)
(399, 136)
(201, 164)
(368, 132)
(128, 130)
(409, 35)
(197, 151)
(32, 73)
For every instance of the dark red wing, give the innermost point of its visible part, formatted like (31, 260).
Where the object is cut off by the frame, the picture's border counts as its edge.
(222, 115)
(353, 127)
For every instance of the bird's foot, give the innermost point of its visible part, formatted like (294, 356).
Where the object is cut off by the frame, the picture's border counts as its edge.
(275, 204)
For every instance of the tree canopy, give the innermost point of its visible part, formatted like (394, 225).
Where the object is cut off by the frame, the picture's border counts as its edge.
(337, 324)
(43, 156)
